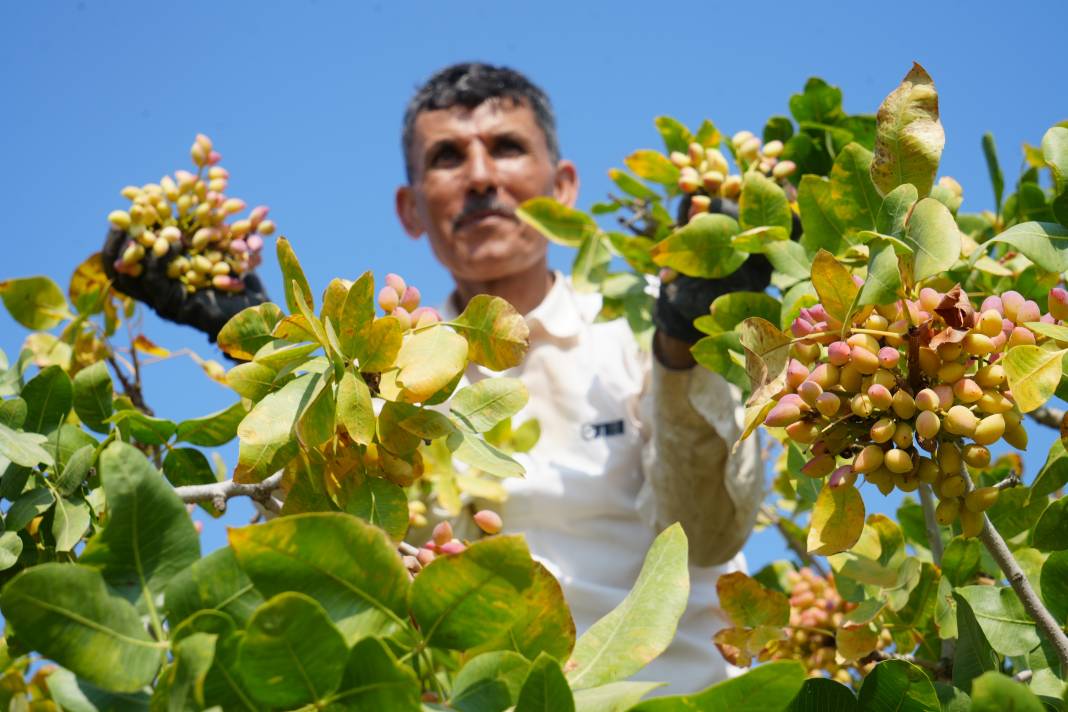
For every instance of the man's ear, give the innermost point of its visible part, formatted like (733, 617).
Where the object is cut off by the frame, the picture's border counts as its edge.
(566, 183)
(408, 213)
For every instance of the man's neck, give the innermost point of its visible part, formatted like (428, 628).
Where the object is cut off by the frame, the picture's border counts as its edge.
(524, 291)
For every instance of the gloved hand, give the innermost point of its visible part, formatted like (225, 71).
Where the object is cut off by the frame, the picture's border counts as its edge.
(685, 298)
(207, 310)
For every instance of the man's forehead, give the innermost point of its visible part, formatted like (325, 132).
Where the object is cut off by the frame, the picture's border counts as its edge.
(491, 116)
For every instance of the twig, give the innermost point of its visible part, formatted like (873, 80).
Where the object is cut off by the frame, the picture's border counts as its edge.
(1013, 480)
(877, 656)
(934, 538)
(219, 492)
(795, 546)
(1023, 676)
(1045, 621)
(131, 390)
(1050, 417)
(407, 549)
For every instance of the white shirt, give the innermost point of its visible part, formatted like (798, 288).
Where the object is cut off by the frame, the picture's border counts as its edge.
(596, 490)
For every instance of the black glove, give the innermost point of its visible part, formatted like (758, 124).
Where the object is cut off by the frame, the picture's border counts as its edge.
(685, 298)
(207, 310)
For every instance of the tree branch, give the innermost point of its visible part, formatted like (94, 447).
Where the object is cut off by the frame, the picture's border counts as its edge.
(1050, 417)
(219, 492)
(934, 538)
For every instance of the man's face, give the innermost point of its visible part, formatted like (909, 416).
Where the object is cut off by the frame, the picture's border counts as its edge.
(470, 169)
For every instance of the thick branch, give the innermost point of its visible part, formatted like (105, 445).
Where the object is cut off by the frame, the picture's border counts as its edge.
(219, 492)
(1050, 417)
(1045, 621)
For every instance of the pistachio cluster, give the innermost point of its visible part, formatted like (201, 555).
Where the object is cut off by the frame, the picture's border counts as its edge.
(910, 393)
(401, 300)
(186, 217)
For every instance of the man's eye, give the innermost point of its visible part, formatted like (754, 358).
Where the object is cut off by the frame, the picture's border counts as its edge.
(508, 147)
(445, 156)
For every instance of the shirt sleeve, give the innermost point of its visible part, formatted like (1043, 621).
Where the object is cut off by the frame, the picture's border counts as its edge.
(693, 418)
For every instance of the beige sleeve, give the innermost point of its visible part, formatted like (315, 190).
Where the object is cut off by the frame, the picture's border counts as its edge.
(691, 476)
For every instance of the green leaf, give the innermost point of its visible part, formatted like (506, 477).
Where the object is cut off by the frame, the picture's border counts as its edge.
(315, 425)
(894, 212)
(1054, 473)
(77, 695)
(35, 302)
(189, 466)
(909, 137)
(428, 361)
(349, 566)
(855, 200)
(767, 688)
(1054, 584)
(822, 227)
(374, 681)
(266, 433)
(65, 613)
(49, 397)
(1044, 243)
(497, 335)
(251, 380)
(214, 583)
(490, 681)
(1002, 617)
(376, 347)
(653, 166)
(149, 537)
(823, 695)
(897, 686)
(1051, 531)
(545, 689)
(933, 235)
(484, 404)
(382, 503)
(763, 203)
(789, 258)
(961, 560)
(93, 396)
(630, 185)
(837, 520)
(30, 504)
(214, 429)
(143, 428)
(819, 102)
(590, 267)
(23, 448)
(461, 601)
(883, 283)
(248, 330)
(355, 411)
(70, 521)
(648, 615)
(778, 128)
(701, 248)
(731, 309)
(834, 284)
(1055, 153)
(994, 692)
(291, 654)
(469, 448)
(10, 549)
(544, 626)
(613, 697)
(180, 684)
(278, 354)
(997, 180)
(675, 134)
(556, 221)
(1033, 373)
(952, 699)
(292, 272)
(758, 239)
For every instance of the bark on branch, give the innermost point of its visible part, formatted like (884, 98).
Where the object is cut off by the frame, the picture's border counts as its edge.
(219, 492)
(1050, 417)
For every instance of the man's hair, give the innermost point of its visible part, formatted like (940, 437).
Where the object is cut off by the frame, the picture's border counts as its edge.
(469, 84)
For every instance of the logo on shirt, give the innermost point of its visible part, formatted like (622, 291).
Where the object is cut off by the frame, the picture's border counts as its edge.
(591, 431)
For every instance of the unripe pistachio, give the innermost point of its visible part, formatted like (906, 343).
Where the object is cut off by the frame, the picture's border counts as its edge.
(882, 430)
(1011, 302)
(1028, 311)
(199, 155)
(803, 431)
(826, 375)
(1021, 336)
(960, 421)
(971, 523)
(880, 396)
(989, 430)
(716, 160)
(928, 424)
(861, 405)
(161, 247)
(990, 376)
(452, 547)
(401, 315)
(945, 395)
(805, 353)
(930, 298)
(425, 316)
(689, 180)
(967, 391)
(809, 391)
(217, 185)
(883, 479)
(952, 486)
(903, 404)
(885, 378)
(949, 459)
(981, 499)
(783, 169)
(866, 341)
(741, 137)
(863, 360)
(410, 298)
(397, 282)
(174, 269)
(889, 357)
(442, 533)
(266, 227)
(388, 299)
(699, 204)
(133, 253)
(927, 470)
(976, 344)
(989, 323)
(680, 159)
(749, 148)
(696, 152)
(976, 455)
(903, 435)
(828, 404)
(781, 415)
(1058, 303)
(147, 239)
(927, 399)
(488, 521)
(850, 379)
(838, 353)
(731, 187)
(929, 361)
(712, 180)
(869, 459)
(226, 282)
(906, 482)
(951, 372)
(220, 268)
(1015, 435)
(819, 466)
(796, 373)
(947, 511)
(240, 228)
(772, 149)
(950, 352)
(201, 264)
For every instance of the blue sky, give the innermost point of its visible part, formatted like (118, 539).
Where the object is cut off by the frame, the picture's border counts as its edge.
(304, 101)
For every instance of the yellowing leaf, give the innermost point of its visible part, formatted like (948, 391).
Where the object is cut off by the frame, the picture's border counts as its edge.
(497, 335)
(1033, 374)
(248, 330)
(767, 351)
(35, 302)
(556, 221)
(701, 248)
(356, 314)
(355, 409)
(292, 272)
(145, 345)
(428, 361)
(854, 642)
(654, 166)
(748, 603)
(834, 284)
(837, 520)
(88, 283)
(908, 135)
(375, 347)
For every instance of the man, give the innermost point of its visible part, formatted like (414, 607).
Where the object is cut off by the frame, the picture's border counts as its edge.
(630, 444)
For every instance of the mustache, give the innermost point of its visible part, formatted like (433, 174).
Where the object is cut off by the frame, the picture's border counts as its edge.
(478, 205)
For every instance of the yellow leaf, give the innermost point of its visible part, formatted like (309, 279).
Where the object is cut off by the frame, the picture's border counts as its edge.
(1033, 373)
(834, 284)
(496, 333)
(428, 361)
(837, 520)
(143, 344)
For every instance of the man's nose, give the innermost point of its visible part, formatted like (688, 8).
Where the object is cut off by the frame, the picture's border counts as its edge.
(481, 170)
